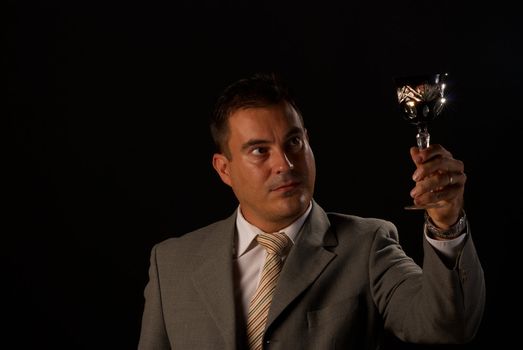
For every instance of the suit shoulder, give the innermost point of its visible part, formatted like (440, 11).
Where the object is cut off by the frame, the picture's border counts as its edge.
(362, 225)
(340, 218)
(188, 239)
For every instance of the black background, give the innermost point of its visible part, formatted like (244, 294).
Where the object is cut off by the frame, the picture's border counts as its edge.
(108, 150)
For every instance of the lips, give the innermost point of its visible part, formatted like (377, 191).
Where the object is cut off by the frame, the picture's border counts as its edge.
(286, 186)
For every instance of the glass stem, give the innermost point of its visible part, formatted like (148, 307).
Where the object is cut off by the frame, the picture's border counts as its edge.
(423, 137)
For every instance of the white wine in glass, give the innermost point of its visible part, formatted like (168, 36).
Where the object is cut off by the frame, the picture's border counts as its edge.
(421, 99)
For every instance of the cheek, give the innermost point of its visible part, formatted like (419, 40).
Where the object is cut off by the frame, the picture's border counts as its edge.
(311, 169)
(250, 175)
(256, 176)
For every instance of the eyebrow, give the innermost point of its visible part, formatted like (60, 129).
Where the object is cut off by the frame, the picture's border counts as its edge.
(254, 142)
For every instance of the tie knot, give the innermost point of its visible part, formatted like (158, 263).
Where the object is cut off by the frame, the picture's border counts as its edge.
(274, 243)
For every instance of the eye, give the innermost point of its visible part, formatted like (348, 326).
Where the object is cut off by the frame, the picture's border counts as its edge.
(295, 143)
(258, 151)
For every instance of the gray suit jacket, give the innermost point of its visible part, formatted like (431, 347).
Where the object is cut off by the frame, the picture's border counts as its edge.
(344, 281)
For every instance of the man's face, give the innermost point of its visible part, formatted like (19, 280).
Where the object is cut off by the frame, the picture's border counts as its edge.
(271, 167)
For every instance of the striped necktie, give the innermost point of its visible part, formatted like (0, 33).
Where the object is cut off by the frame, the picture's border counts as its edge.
(275, 245)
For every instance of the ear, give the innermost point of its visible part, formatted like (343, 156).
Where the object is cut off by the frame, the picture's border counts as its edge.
(221, 165)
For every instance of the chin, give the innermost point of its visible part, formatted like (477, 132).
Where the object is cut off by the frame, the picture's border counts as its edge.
(293, 204)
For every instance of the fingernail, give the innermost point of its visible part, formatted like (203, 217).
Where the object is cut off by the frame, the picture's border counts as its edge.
(413, 192)
(416, 175)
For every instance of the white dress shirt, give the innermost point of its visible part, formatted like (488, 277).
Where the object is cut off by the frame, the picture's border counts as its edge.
(250, 256)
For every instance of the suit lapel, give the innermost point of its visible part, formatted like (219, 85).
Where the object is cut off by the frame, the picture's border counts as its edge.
(305, 262)
(210, 279)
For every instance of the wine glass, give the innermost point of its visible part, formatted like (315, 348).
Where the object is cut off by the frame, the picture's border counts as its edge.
(421, 99)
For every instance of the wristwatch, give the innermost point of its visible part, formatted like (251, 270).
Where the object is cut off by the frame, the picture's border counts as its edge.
(452, 232)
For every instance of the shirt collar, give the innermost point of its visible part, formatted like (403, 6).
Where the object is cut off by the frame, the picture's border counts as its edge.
(247, 232)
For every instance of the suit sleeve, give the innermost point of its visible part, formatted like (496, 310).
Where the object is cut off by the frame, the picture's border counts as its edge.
(153, 335)
(435, 304)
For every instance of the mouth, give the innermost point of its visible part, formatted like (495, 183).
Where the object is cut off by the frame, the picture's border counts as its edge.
(286, 187)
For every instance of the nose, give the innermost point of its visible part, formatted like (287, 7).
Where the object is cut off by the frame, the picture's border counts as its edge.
(283, 163)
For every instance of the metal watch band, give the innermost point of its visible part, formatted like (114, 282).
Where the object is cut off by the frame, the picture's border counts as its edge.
(452, 232)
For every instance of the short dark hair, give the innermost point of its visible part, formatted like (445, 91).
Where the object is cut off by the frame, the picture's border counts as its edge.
(259, 90)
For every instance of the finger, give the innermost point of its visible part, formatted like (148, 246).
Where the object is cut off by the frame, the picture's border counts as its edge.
(423, 195)
(438, 165)
(456, 179)
(431, 152)
(437, 182)
(445, 195)
(434, 182)
(453, 165)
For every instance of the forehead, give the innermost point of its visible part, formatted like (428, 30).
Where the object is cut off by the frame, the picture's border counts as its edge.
(280, 115)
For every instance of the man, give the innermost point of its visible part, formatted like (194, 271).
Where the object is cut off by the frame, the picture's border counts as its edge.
(344, 278)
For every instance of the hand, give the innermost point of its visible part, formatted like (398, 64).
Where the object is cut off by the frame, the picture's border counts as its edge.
(439, 179)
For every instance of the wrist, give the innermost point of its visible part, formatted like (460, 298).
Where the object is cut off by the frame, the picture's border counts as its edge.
(449, 233)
